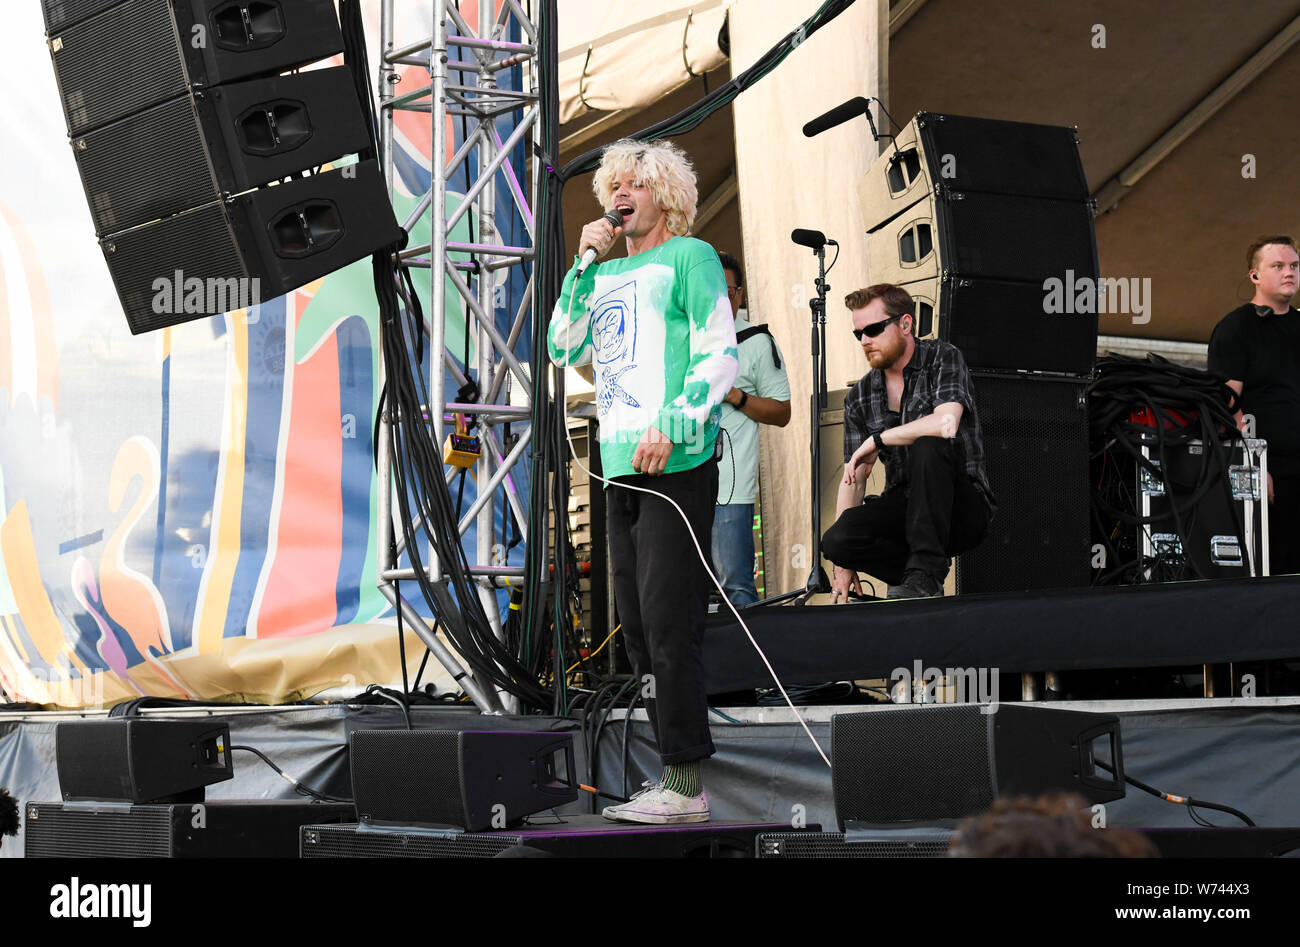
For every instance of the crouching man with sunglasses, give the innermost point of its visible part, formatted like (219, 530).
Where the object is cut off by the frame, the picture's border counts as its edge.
(914, 412)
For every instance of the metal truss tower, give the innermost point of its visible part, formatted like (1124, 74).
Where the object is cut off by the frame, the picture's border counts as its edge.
(474, 98)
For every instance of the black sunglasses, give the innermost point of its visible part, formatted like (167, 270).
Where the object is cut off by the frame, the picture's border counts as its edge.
(876, 328)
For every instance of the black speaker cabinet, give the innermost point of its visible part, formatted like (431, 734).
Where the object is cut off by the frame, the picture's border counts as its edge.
(233, 254)
(1221, 842)
(993, 236)
(111, 61)
(972, 216)
(1035, 433)
(1001, 325)
(942, 762)
(881, 843)
(225, 829)
(141, 759)
(194, 149)
(182, 126)
(967, 154)
(470, 779)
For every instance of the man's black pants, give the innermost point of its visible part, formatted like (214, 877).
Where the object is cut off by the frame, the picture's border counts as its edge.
(1284, 526)
(662, 590)
(937, 514)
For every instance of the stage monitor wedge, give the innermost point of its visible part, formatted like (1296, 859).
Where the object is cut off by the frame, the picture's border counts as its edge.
(935, 763)
(196, 149)
(236, 254)
(472, 779)
(133, 55)
(141, 759)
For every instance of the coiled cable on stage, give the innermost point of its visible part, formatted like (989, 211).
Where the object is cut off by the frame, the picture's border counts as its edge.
(1154, 403)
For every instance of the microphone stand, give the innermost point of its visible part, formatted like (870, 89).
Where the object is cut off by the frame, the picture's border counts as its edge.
(817, 580)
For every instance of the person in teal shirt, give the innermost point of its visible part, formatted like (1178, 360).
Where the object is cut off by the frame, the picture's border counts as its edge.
(657, 330)
(761, 395)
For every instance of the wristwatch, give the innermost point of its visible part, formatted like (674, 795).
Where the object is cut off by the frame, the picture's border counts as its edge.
(740, 405)
(880, 443)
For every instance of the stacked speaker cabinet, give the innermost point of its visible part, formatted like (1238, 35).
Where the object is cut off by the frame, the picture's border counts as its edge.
(976, 219)
(201, 161)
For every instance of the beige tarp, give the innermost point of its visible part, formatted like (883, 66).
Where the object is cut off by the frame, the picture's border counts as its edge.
(617, 56)
(788, 181)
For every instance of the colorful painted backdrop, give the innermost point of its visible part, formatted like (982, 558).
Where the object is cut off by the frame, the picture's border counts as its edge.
(187, 513)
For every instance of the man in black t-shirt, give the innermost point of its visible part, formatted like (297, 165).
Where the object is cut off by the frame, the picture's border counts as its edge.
(1257, 346)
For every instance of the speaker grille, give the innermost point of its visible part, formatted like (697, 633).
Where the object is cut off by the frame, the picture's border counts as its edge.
(145, 167)
(1002, 326)
(92, 763)
(833, 845)
(408, 777)
(61, 13)
(1015, 238)
(911, 765)
(57, 831)
(199, 244)
(348, 841)
(1036, 455)
(1003, 157)
(124, 60)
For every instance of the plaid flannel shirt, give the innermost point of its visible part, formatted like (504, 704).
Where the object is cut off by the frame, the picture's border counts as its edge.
(936, 374)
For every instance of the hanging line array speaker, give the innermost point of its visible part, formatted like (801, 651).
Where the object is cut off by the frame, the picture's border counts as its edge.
(202, 162)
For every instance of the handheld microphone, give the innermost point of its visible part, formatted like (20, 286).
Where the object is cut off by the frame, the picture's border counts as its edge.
(838, 116)
(616, 219)
(813, 239)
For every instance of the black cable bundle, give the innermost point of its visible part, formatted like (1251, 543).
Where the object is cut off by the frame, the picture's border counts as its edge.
(548, 599)
(593, 711)
(419, 483)
(1184, 405)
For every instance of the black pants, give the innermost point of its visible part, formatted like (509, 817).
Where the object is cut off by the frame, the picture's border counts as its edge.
(662, 589)
(1284, 526)
(937, 514)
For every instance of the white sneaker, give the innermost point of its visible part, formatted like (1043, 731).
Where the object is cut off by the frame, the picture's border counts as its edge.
(659, 806)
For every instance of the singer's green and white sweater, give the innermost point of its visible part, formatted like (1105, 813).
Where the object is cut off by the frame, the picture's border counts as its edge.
(658, 329)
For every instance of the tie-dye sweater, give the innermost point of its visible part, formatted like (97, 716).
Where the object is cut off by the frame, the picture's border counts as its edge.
(658, 329)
